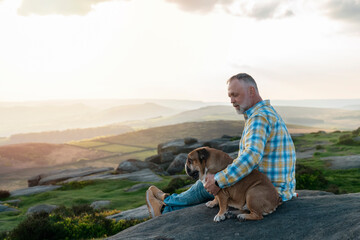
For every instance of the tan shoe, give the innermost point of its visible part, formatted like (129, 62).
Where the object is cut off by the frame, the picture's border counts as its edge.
(154, 205)
(158, 193)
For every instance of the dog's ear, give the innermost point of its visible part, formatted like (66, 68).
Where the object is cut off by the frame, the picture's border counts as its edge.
(203, 154)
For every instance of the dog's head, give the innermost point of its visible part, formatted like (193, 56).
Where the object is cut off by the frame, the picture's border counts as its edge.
(196, 162)
(206, 160)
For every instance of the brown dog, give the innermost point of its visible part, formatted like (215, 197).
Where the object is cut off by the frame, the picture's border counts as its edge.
(254, 193)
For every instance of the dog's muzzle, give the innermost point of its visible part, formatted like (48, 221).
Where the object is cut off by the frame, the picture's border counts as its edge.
(193, 174)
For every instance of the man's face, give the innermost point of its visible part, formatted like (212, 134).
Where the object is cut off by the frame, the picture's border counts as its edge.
(239, 95)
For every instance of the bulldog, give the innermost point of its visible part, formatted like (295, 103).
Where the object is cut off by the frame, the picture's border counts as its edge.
(254, 195)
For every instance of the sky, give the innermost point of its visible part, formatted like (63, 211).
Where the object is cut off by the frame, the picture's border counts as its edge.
(178, 49)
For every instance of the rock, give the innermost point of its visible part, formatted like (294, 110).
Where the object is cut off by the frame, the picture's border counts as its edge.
(137, 187)
(166, 157)
(230, 147)
(137, 213)
(133, 165)
(100, 204)
(62, 175)
(178, 146)
(145, 175)
(32, 190)
(343, 162)
(42, 208)
(312, 217)
(154, 159)
(14, 202)
(4, 208)
(312, 193)
(215, 143)
(190, 141)
(178, 164)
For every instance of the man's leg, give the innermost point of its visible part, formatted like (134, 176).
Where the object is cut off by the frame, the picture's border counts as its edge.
(195, 195)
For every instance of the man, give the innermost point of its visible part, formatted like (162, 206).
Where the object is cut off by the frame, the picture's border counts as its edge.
(265, 145)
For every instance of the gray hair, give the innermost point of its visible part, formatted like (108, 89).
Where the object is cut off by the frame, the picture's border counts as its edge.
(246, 78)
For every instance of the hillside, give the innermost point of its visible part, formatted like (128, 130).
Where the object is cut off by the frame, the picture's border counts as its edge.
(44, 154)
(325, 118)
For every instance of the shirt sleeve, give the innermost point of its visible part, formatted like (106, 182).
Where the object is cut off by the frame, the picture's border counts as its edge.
(255, 139)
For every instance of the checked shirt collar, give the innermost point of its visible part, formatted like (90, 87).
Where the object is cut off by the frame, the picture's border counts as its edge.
(248, 113)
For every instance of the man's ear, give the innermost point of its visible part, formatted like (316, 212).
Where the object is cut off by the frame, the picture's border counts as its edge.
(203, 154)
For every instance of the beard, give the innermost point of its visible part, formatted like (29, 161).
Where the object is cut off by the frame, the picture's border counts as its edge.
(242, 108)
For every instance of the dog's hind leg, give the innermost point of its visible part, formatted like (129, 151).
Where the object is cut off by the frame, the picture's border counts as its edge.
(250, 216)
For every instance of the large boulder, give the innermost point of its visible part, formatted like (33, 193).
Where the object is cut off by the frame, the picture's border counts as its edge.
(177, 166)
(310, 217)
(179, 146)
(145, 175)
(62, 175)
(229, 147)
(133, 165)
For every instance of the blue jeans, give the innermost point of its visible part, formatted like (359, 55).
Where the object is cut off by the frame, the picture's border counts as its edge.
(193, 196)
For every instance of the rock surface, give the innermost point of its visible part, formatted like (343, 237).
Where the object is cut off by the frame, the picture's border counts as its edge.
(177, 166)
(62, 175)
(41, 208)
(4, 208)
(308, 217)
(100, 204)
(137, 213)
(32, 190)
(145, 175)
(343, 162)
(137, 187)
(133, 165)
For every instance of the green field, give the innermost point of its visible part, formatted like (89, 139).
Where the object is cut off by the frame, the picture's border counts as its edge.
(81, 193)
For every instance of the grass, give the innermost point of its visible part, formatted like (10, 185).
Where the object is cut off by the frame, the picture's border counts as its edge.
(330, 144)
(117, 148)
(72, 194)
(88, 144)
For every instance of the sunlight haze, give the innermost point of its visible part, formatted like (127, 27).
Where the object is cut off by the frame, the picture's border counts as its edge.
(172, 49)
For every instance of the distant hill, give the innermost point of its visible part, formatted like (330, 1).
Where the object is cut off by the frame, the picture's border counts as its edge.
(44, 154)
(325, 118)
(133, 112)
(204, 130)
(66, 135)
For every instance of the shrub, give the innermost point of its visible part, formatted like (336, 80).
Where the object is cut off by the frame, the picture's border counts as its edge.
(347, 139)
(310, 178)
(78, 222)
(4, 194)
(356, 132)
(319, 147)
(75, 185)
(176, 183)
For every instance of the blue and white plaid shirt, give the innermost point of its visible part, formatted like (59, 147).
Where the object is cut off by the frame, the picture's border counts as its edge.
(265, 145)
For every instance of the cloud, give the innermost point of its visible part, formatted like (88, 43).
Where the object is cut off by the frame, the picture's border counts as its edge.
(245, 8)
(61, 7)
(347, 10)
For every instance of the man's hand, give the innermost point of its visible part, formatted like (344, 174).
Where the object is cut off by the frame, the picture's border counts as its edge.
(210, 184)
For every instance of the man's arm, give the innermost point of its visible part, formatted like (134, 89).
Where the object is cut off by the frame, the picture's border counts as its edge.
(255, 140)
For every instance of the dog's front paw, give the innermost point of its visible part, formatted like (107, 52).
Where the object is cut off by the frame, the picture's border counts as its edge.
(211, 204)
(219, 218)
(241, 217)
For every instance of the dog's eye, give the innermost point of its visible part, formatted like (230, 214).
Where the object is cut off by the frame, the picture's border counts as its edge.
(189, 160)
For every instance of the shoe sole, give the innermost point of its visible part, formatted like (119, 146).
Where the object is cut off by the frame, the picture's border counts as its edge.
(150, 208)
